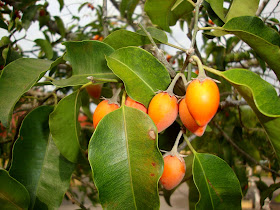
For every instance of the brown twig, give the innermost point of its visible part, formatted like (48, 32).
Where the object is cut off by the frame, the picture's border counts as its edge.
(74, 201)
(242, 152)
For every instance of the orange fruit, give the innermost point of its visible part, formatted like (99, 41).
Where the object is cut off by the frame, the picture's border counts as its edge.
(188, 120)
(163, 109)
(131, 103)
(173, 171)
(202, 100)
(102, 109)
(94, 90)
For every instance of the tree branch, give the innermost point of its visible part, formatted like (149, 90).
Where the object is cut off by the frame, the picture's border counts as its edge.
(74, 201)
(242, 152)
(261, 7)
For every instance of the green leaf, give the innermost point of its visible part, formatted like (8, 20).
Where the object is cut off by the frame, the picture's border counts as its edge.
(38, 164)
(64, 126)
(3, 24)
(125, 160)
(179, 9)
(159, 11)
(142, 74)
(17, 78)
(117, 41)
(262, 39)
(262, 98)
(269, 192)
(61, 4)
(242, 8)
(193, 194)
(218, 7)
(127, 8)
(258, 91)
(87, 59)
(13, 195)
(46, 47)
(29, 15)
(216, 182)
(60, 25)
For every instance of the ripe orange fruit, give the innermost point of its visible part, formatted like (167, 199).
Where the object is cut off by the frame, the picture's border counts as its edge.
(94, 90)
(173, 171)
(130, 102)
(202, 100)
(188, 120)
(102, 109)
(210, 22)
(163, 109)
(168, 57)
(96, 37)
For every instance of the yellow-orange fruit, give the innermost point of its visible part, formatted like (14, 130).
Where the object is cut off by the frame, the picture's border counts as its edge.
(94, 90)
(132, 103)
(173, 171)
(202, 100)
(163, 109)
(101, 110)
(188, 120)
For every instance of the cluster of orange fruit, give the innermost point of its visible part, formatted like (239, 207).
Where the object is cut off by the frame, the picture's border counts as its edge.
(195, 110)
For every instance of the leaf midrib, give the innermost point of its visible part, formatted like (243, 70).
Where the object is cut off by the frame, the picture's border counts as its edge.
(10, 201)
(132, 72)
(128, 156)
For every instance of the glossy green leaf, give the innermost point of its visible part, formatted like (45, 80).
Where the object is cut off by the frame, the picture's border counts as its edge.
(159, 12)
(216, 182)
(142, 74)
(13, 195)
(116, 39)
(125, 160)
(179, 9)
(262, 39)
(127, 8)
(64, 126)
(218, 7)
(16, 79)
(38, 164)
(242, 8)
(262, 98)
(263, 93)
(87, 59)
(46, 47)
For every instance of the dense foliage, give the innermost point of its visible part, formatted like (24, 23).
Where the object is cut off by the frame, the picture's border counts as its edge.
(52, 142)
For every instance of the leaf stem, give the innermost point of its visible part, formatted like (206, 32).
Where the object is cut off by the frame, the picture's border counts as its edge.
(172, 84)
(174, 46)
(210, 28)
(115, 97)
(184, 79)
(201, 74)
(174, 149)
(148, 35)
(189, 144)
(214, 71)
